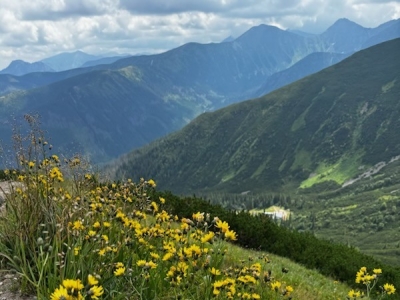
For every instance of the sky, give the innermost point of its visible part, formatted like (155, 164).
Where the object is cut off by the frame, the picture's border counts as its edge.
(32, 30)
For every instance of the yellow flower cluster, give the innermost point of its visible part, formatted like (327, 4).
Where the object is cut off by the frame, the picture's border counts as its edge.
(369, 280)
(149, 243)
(71, 289)
(129, 240)
(364, 277)
(389, 288)
(237, 282)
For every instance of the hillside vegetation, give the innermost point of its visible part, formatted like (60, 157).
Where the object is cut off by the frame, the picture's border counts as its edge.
(319, 129)
(325, 147)
(69, 236)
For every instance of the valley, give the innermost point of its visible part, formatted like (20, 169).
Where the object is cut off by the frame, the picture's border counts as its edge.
(306, 141)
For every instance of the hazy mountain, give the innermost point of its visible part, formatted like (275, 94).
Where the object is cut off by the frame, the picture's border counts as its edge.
(310, 64)
(345, 36)
(20, 67)
(12, 83)
(65, 61)
(184, 82)
(103, 61)
(229, 71)
(157, 93)
(317, 43)
(101, 115)
(302, 33)
(385, 32)
(326, 126)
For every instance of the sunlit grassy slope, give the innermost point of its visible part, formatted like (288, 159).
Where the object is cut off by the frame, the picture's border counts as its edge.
(307, 284)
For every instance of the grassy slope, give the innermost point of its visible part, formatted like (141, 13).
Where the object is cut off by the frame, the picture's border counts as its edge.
(364, 214)
(307, 284)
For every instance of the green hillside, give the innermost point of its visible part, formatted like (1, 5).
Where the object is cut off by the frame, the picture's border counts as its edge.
(324, 147)
(321, 128)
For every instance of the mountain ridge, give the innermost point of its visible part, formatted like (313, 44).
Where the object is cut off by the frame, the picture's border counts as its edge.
(185, 82)
(246, 146)
(20, 67)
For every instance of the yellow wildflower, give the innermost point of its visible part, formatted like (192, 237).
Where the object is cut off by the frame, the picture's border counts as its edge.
(60, 293)
(73, 286)
(96, 224)
(151, 182)
(199, 217)
(289, 289)
(222, 225)
(154, 206)
(92, 280)
(119, 271)
(76, 250)
(154, 255)
(377, 271)
(230, 235)
(77, 225)
(275, 285)
(389, 288)
(95, 292)
(353, 294)
(141, 263)
(167, 256)
(215, 272)
(208, 237)
(151, 265)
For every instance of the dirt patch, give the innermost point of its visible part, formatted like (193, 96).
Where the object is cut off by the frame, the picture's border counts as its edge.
(9, 284)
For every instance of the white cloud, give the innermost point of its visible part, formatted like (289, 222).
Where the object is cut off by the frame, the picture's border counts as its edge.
(34, 29)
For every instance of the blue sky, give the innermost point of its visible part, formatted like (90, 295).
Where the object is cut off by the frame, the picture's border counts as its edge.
(35, 29)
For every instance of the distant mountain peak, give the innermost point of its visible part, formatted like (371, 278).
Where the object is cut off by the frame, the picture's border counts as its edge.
(20, 67)
(260, 32)
(68, 60)
(17, 62)
(344, 23)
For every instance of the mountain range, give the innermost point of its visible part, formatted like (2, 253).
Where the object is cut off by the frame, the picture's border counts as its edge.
(108, 109)
(324, 127)
(60, 62)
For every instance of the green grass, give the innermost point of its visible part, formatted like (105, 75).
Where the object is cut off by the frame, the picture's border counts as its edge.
(339, 172)
(302, 159)
(307, 284)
